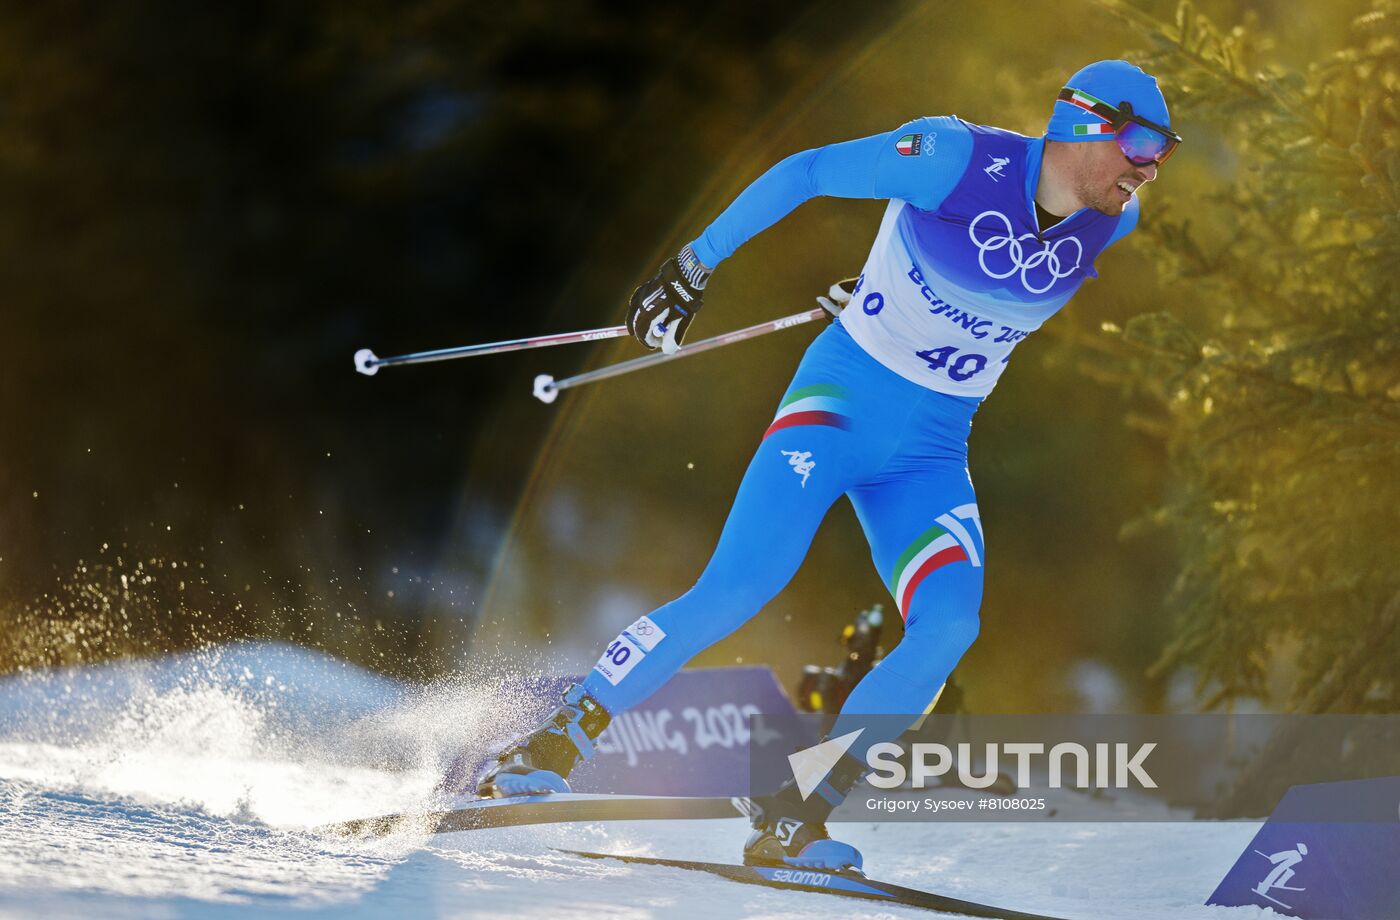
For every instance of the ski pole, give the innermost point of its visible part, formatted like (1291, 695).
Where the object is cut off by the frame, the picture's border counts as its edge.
(368, 363)
(547, 388)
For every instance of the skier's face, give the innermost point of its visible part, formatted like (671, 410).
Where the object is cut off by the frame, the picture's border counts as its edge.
(1106, 181)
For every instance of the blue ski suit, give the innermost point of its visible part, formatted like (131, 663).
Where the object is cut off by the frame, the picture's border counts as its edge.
(882, 403)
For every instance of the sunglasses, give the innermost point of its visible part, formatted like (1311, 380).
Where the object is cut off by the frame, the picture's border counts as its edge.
(1142, 141)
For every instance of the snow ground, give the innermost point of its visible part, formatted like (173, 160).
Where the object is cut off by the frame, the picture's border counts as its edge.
(187, 788)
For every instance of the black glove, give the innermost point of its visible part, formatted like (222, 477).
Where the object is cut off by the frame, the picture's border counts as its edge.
(661, 310)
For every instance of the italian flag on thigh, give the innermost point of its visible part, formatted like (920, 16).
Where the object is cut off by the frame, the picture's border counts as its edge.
(940, 545)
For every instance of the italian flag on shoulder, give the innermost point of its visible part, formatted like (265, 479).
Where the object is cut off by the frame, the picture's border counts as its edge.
(909, 144)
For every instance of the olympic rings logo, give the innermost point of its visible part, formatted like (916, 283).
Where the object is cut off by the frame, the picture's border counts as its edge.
(1049, 256)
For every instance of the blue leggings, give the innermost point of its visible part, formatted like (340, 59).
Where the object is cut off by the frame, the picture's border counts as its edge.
(846, 426)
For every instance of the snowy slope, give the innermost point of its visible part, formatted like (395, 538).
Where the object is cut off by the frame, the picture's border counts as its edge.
(186, 787)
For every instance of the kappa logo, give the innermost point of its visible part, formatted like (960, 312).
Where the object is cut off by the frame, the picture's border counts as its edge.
(1002, 236)
(801, 462)
(1282, 872)
(995, 168)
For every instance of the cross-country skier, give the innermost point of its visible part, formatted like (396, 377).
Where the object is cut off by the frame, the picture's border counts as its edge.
(987, 235)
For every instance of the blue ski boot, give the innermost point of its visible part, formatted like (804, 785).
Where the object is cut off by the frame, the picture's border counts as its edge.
(788, 831)
(789, 842)
(539, 763)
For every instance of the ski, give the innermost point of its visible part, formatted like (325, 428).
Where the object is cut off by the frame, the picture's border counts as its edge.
(842, 884)
(475, 814)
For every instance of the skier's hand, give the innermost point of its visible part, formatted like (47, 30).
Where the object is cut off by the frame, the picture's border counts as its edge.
(662, 309)
(838, 297)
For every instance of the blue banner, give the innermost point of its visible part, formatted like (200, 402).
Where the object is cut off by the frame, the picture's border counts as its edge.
(691, 737)
(1330, 851)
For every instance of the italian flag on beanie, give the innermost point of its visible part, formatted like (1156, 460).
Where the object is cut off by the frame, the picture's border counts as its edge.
(1111, 82)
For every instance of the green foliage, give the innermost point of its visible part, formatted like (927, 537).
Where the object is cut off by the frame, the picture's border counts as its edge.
(1277, 362)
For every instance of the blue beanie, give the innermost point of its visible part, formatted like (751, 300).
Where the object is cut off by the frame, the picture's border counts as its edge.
(1113, 82)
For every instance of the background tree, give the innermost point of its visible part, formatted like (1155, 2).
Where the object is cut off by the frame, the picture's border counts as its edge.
(1277, 369)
